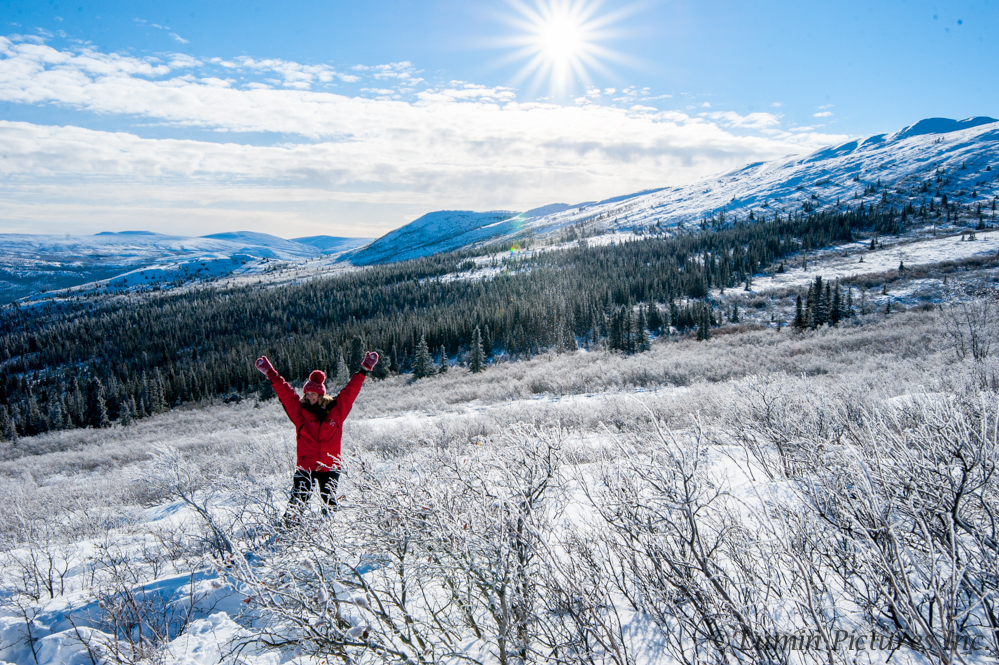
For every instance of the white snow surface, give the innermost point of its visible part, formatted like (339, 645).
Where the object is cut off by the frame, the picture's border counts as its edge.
(220, 616)
(856, 258)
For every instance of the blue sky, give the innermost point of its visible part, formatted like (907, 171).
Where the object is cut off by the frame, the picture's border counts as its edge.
(342, 118)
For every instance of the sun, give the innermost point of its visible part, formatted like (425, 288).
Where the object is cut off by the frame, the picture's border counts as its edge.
(560, 42)
(561, 39)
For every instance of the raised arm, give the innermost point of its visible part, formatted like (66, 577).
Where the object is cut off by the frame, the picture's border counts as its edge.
(287, 395)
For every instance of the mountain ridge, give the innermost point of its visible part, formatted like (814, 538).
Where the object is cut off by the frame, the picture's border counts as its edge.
(917, 164)
(860, 170)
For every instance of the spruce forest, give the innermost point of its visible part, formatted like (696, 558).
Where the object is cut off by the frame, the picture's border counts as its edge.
(90, 361)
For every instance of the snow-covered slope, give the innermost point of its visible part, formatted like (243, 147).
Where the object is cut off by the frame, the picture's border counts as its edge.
(935, 156)
(34, 263)
(930, 158)
(265, 245)
(333, 244)
(435, 232)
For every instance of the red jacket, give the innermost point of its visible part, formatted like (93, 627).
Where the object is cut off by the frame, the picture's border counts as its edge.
(318, 441)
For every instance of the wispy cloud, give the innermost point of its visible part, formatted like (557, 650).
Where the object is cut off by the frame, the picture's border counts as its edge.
(378, 162)
(395, 70)
(748, 121)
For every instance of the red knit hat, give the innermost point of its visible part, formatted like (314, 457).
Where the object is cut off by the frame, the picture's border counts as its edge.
(316, 383)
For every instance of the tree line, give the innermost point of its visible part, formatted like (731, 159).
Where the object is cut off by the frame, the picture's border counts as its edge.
(90, 362)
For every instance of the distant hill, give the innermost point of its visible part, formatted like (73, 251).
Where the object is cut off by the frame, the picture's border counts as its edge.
(333, 244)
(435, 232)
(37, 263)
(267, 245)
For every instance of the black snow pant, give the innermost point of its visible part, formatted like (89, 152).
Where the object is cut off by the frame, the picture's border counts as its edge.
(301, 491)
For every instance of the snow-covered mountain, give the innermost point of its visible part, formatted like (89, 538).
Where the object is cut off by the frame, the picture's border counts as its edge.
(435, 232)
(930, 158)
(936, 156)
(36, 263)
(920, 163)
(333, 244)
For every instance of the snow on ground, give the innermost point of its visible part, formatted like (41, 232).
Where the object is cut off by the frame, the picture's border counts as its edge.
(220, 619)
(857, 258)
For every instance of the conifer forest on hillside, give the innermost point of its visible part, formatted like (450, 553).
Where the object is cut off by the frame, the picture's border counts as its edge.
(82, 361)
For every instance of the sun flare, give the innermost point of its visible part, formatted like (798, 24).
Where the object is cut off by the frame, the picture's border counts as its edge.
(559, 39)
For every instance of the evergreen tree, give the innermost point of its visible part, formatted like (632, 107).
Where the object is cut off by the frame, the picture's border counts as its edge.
(704, 324)
(810, 304)
(443, 365)
(56, 417)
(6, 424)
(641, 331)
(158, 395)
(394, 360)
(628, 331)
(381, 370)
(341, 373)
(33, 420)
(487, 342)
(799, 315)
(12, 433)
(355, 355)
(820, 308)
(655, 319)
(125, 414)
(614, 334)
(423, 364)
(836, 308)
(477, 357)
(97, 413)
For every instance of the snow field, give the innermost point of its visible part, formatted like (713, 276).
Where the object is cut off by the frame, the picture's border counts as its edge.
(554, 522)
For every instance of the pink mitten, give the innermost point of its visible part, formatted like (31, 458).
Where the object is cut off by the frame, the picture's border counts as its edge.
(370, 360)
(264, 365)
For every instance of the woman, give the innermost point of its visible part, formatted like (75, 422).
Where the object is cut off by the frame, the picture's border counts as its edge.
(319, 420)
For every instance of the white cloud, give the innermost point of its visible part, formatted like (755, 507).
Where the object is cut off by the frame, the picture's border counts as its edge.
(178, 38)
(394, 70)
(749, 121)
(460, 145)
(460, 90)
(822, 114)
